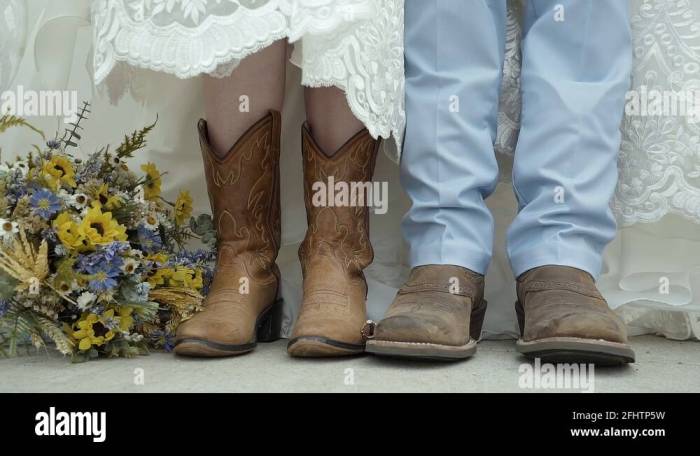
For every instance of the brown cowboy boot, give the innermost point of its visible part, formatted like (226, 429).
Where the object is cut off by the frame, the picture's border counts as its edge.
(437, 314)
(335, 251)
(564, 318)
(241, 307)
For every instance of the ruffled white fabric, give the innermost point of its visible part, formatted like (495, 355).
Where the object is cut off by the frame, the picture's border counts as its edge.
(355, 45)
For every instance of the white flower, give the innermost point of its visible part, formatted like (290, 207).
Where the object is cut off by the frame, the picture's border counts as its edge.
(8, 229)
(132, 337)
(151, 222)
(79, 200)
(139, 195)
(130, 265)
(85, 300)
(4, 168)
(135, 253)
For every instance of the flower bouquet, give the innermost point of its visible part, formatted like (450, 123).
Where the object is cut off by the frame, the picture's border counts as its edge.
(92, 257)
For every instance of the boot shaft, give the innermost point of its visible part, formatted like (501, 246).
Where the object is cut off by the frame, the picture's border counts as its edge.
(243, 188)
(338, 231)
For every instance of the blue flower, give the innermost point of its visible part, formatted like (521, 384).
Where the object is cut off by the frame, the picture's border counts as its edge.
(103, 267)
(44, 203)
(106, 255)
(104, 277)
(4, 307)
(142, 290)
(150, 241)
(192, 258)
(53, 144)
(165, 338)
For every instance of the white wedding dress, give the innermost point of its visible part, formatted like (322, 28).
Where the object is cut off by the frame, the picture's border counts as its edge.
(145, 56)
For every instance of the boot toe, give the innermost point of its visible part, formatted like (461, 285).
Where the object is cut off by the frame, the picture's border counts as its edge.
(214, 332)
(416, 329)
(584, 325)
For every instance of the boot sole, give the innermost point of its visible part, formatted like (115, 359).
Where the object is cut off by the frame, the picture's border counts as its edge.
(574, 350)
(266, 330)
(321, 347)
(418, 350)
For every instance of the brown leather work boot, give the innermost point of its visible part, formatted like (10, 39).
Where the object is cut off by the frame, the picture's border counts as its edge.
(335, 251)
(564, 318)
(241, 307)
(437, 314)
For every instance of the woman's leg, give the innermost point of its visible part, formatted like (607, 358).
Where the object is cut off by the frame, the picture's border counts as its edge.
(234, 104)
(330, 119)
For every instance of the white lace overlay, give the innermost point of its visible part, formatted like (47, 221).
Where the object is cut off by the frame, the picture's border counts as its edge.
(660, 155)
(356, 45)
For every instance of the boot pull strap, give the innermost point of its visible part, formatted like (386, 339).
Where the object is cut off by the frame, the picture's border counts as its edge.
(549, 285)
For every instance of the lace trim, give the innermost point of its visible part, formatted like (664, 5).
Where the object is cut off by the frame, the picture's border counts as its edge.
(355, 45)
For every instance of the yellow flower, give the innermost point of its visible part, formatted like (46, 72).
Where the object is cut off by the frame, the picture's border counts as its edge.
(161, 277)
(101, 194)
(123, 320)
(183, 207)
(99, 228)
(160, 258)
(69, 232)
(151, 188)
(197, 280)
(90, 330)
(57, 171)
(182, 277)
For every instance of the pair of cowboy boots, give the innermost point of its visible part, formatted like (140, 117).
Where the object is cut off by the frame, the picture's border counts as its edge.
(243, 305)
(439, 311)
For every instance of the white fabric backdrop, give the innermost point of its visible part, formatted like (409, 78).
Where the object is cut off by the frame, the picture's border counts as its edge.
(47, 45)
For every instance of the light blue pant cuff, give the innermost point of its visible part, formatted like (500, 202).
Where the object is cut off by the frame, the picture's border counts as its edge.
(454, 253)
(585, 260)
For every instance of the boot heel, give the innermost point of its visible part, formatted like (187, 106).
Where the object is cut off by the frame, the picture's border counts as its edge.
(520, 312)
(270, 325)
(477, 320)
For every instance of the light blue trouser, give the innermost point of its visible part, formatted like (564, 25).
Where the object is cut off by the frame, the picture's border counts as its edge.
(577, 59)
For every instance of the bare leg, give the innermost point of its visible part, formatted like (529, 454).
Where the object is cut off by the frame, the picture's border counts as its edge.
(234, 104)
(330, 118)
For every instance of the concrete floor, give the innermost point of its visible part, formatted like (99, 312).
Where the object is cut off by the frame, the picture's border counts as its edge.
(662, 366)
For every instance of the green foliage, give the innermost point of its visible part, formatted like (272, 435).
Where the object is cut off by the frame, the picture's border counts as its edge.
(203, 226)
(8, 121)
(20, 325)
(135, 142)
